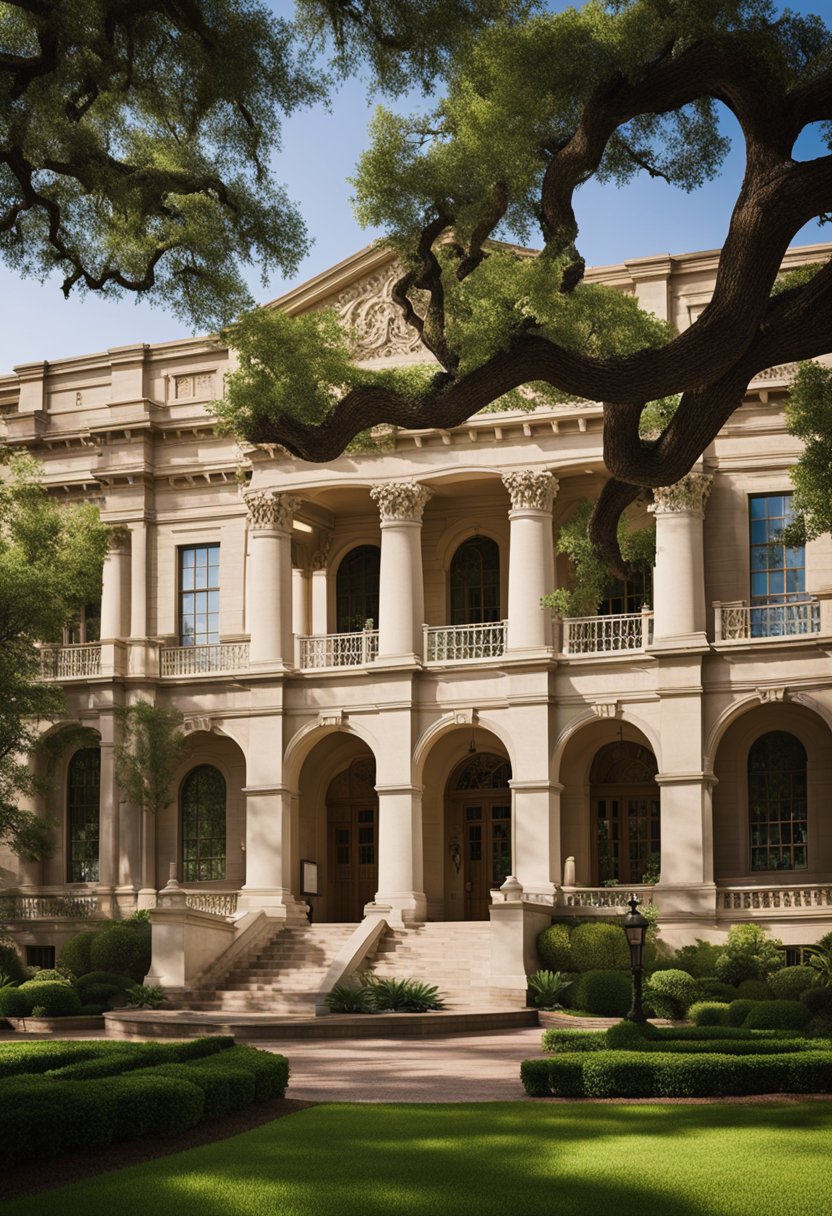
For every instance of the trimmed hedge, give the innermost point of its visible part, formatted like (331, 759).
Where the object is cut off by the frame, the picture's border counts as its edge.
(122, 948)
(554, 949)
(606, 993)
(597, 946)
(57, 998)
(739, 1010)
(555, 1039)
(818, 1001)
(778, 1015)
(753, 990)
(713, 989)
(709, 1013)
(671, 993)
(790, 983)
(37, 1057)
(99, 986)
(75, 953)
(624, 1074)
(44, 1115)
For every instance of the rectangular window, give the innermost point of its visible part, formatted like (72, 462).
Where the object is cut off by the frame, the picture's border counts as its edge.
(199, 595)
(778, 572)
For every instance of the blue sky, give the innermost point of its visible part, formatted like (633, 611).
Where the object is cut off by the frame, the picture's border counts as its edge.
(319, 152)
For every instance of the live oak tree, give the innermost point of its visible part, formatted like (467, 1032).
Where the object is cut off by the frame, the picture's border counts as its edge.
(532, 112)
(136, 135)
(51, 559)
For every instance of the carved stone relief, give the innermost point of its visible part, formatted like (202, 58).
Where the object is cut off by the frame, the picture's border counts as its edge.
(374, 321)
(689, 494)
(268, 510)
(400, 500)
(531, 489)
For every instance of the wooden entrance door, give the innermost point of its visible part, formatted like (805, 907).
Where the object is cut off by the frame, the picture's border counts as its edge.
(352, 841)
(480, 790)
(625, 813)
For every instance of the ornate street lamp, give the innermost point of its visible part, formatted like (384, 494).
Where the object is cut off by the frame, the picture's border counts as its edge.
(635, 927)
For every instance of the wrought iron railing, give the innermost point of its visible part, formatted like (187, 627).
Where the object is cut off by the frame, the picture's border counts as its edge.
(774, 899)
(212, 659)
(221, 903)
(338, 650)
(70, 662)
(740, 622)
(48, 907)
(465, 643)
(612, 634)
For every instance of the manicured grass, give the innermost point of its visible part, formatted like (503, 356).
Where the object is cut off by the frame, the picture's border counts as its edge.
(487, 1158)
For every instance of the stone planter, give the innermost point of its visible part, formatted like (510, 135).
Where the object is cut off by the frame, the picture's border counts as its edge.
(56, 1025)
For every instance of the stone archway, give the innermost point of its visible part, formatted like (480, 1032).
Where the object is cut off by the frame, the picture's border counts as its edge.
(352, 840)
(478, 808)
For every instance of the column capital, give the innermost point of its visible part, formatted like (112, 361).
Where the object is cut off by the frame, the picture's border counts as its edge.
(690, 494)
(269, 511)
(531, 489)
(118, 537)
(400, 501)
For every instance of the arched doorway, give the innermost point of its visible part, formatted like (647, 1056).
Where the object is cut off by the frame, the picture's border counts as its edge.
(352, 840)
(626, 822)
(480, 801)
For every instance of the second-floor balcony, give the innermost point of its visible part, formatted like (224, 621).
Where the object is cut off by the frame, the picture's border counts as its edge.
(465, 643)
(614, 633)
(213, 659)
(328, 650)
(70, 662)
(739, 622)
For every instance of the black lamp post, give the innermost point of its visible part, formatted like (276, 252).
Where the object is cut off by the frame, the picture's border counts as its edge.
(635, 927)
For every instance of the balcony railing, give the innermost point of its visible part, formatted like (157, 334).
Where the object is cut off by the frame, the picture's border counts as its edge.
(744, 622)
(48, 907)
(221, 903)
(613, 634)
(602, 899)
(338, 650)
(806, 896)
(70, 662)
(204, 660)
(465, 643)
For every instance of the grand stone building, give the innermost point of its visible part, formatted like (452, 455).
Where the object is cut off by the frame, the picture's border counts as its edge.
(383, 722)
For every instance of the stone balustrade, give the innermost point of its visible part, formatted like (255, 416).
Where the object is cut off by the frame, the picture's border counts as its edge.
(793, 898)
(48, 907)
(338, 650)
(612, 634)
(744, 622)
(465, 643)
(70, 662)
(219, 903)
(204, 660)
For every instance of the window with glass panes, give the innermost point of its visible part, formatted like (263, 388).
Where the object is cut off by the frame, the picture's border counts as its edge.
(356, 589)
(203, 825)
(83, 801)
(475, 582)
(629, 595)
(199, 595)
(777, 803)
(778, 572)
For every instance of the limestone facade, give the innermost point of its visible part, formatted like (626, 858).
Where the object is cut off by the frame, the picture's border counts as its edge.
(396, 720)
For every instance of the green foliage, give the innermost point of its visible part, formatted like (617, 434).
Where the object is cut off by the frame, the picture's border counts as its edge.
(145, 996)
(122, 949)
(708, 1013)
(152, 743)
(11, 965)
(350, 998)
(739, 1010)
(548, 987)
(754, 990)
(818, 1000)
(49, 973)
(715, 990)
(51, 559)
(103, 987)
(820, 960)
(75, 953)
(555, 1039)
(778, 1015)
(671, 993)
(597, 946)
(606, 993)
(808, 412)
(749, 954)
(554, 948)
(790, 983)
(699, 960)
(391, 995)
(58, 999)
(590, 574)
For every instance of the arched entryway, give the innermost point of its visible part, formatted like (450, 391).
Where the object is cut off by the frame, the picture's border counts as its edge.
(479, 806)
(352, 840)
(626, 821)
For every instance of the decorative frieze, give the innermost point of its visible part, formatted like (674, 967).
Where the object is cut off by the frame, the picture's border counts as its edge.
(689, 494)
(376, 325)
(269, 511)
(533, 489)
(400, 501)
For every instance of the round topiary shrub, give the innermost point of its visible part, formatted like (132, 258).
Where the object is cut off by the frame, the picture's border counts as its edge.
(123, 949)
(554, 949)
(753, 990)
(818, 1001)
(11, 965)
(790, 983)
(671, 993)
(738, 1011)
(715, 990)
(49, 974)
(58, 1000)
(599, 947)
(99, 986)
(709, 1013)
(778, 1015)
(606, 993)
(75, 953)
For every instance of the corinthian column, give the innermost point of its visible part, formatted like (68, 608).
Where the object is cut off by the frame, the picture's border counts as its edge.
(270, 523)
(531, 563)
(401, 588)
(679, 573)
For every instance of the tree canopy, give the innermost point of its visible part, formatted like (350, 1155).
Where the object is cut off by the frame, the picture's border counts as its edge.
(136, 139)
(50, 565)
(533, 110)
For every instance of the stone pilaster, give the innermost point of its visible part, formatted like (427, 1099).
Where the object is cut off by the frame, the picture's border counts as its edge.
(320, 577)
(401, 586)
(531, 566)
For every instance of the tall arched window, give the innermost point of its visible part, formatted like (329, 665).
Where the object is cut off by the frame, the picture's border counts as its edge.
(83, 814)
(356, 589)
(777, 802)
(475, 582)
(203, 824)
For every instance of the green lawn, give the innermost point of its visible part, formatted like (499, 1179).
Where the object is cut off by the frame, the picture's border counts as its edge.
(509, 1159)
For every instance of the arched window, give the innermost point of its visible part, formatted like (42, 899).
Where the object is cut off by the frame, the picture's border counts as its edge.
(83, 801)
(475, 582)
(356, 589)
(203, 824)
(777, 803)
(626, 814)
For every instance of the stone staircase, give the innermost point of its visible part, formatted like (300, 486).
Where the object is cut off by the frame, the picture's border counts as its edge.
(283, 977)
(452, 955)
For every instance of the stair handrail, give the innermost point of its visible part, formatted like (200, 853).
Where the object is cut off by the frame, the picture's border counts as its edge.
(362, 942)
